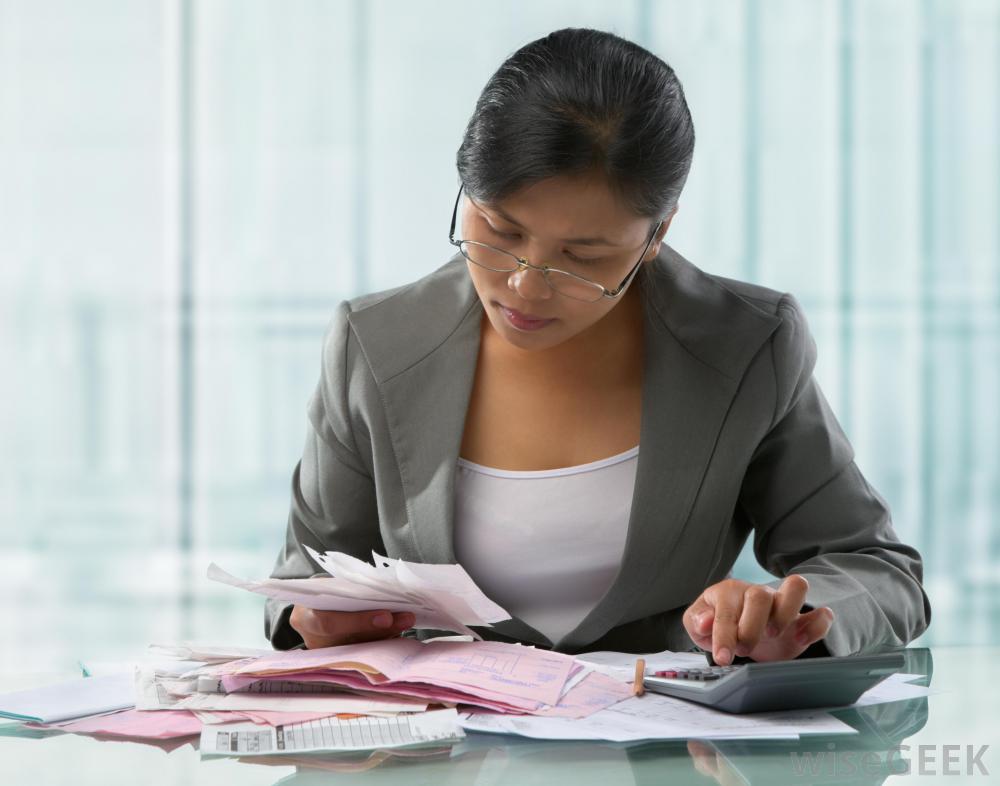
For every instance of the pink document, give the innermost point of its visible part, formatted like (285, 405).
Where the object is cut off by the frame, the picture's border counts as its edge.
(495, 670)
(594, 692)
(360, 683)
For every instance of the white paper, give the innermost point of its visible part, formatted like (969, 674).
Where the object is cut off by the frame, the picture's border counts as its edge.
(332, 735)
(105, 668)
(207, 653)
(657, 717)
(621, 665)
(441, 597)
(68, 700)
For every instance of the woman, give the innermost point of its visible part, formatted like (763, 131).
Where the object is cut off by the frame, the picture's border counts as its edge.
(587, 422)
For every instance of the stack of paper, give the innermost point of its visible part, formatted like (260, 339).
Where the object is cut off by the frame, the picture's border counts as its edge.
(500, 677)
(161, 702)
(389, 694)
(441, 597)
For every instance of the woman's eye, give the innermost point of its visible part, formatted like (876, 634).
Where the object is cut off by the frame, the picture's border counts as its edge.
(515, 236)
(581, 260)
(498, 233)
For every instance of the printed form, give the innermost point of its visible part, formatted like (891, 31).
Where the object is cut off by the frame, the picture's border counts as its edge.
(333, 734)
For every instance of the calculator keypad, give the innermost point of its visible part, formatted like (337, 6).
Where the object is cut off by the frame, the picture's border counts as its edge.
(700, 675)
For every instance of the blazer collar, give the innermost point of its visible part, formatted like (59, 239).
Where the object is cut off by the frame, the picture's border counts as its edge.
(699, 340)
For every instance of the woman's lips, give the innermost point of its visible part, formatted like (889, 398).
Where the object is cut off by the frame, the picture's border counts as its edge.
(523, 321)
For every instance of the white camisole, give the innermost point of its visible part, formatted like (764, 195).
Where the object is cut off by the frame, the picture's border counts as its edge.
(546, 544)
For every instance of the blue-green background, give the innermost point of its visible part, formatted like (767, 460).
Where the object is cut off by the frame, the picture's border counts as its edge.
(187, 188)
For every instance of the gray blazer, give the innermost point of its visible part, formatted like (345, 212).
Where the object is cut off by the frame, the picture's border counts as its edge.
(736, 438)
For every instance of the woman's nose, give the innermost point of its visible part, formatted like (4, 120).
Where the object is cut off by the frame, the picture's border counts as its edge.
(530, 284)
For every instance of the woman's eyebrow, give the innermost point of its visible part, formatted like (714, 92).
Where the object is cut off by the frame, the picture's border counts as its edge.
(576, 241)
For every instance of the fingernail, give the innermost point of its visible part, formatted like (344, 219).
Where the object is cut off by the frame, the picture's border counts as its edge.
(382, 621)
(723, 657)
(405, 620)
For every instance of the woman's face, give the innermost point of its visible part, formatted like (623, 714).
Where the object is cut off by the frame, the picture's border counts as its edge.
(546, 224)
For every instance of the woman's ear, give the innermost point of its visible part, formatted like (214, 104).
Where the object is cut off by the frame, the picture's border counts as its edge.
(654, 247)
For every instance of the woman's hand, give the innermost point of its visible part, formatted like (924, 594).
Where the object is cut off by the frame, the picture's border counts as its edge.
(333, 628)
(756, 621)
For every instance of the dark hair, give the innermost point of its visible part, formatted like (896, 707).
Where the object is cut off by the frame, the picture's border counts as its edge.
(581, 101)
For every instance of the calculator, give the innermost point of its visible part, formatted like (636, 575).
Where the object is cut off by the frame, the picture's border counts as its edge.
(806, 683)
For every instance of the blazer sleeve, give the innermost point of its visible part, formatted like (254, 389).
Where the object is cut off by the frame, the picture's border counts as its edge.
(333, 504)
(814, 514)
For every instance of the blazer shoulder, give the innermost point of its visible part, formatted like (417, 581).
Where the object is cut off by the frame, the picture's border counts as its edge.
(397, 327)
(721, 321)
(793, 348)
(761, 297)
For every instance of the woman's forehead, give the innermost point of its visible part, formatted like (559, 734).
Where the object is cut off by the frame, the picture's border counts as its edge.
(578, 214)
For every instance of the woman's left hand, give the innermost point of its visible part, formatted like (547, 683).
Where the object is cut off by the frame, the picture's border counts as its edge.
(755, 621)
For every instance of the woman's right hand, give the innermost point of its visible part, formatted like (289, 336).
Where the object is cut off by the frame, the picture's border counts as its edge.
(333, 628)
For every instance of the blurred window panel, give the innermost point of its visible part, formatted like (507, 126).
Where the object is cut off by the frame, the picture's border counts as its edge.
(187, 190)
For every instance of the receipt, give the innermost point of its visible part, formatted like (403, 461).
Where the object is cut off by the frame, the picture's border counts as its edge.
(440, 597)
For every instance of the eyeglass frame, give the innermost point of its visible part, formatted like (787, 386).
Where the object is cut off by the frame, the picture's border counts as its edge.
(523, 263)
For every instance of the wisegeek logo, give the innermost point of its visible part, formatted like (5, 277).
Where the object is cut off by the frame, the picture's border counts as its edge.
(930, 760)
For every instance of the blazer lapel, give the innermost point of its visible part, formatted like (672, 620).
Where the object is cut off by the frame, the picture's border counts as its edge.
(699, 339)
(425, 383)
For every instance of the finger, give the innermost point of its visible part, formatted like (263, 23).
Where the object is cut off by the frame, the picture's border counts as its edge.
(787, 603)
(703, 638)
(321, 628)
(705, 642)
(698, 617)
(351, 638)
(341, 623)
(757, 600)
(813, 626)
(728, 603)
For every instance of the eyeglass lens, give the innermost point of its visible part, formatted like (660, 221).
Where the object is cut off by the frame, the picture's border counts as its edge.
(503, 262)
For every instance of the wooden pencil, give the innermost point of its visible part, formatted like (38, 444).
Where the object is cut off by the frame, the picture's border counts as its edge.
(640, 671)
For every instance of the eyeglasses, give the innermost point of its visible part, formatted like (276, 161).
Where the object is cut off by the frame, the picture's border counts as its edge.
(562, 282)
